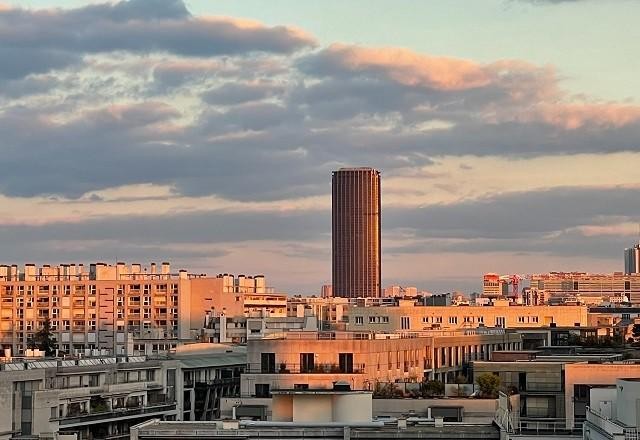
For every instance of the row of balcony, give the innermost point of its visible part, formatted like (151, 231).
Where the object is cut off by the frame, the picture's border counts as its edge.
(289, 368)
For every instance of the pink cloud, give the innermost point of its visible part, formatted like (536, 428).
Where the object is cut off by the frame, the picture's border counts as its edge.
(575, 115)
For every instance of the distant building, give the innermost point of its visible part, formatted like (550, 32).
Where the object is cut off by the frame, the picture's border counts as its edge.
(326, 291)
(119, 309)
(632, 260)
(400, 291)
(356, 263)
(586, 288)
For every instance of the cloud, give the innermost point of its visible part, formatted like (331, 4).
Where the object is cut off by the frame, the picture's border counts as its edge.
(41, 40)
(504, 91)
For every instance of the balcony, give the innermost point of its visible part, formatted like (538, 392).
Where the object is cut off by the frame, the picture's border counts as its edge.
(536, 387)
(84, 417)
(609, 428)
(285, 368)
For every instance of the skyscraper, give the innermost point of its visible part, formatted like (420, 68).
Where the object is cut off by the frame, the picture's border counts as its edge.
(632, 259)
(356, 232)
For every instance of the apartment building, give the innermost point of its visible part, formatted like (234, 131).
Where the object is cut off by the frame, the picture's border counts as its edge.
(240, 329)
(581, 285)
(299, 360)
(555, 391)
(119, 309)
(102, 397)
(94, 397)
(407, 316)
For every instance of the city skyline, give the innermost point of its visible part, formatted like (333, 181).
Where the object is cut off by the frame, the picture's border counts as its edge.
(206, 134)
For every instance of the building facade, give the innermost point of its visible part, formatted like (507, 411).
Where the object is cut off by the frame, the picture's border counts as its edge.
(102, 397)
(632, 260)
(581, 286)
(356, 261)
(409, 317)
(315, 360)
(119, 309)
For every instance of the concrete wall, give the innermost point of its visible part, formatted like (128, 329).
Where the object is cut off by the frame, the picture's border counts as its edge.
(352, 407)
(313, 408)
(281, 408)
(628, 399)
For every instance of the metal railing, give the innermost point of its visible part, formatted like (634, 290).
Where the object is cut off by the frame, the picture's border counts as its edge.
(610, 427)
(84, 417)
(316, 368)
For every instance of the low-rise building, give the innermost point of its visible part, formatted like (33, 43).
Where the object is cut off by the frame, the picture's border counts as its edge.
(298, 360)
(101, 397)
(407, 316)
(555, 390)
(618, 418)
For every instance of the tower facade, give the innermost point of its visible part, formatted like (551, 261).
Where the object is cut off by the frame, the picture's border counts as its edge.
(356, 264)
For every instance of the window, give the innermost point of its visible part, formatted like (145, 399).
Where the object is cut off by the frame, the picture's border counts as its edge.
(405, 324)
(372, 319)
(300, 386)
(345, 362)
(267, 362)
(359, 320)
(453, 319)
(262, 390)
(307, 362)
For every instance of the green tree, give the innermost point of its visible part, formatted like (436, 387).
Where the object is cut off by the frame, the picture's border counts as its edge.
(489, 385)
(432, 388)
(460, 379)
(43, 339)
(635, 332)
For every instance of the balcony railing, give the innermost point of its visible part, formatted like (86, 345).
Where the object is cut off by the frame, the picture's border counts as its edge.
(324, 368)
(536, 387)
(611, 427)
(115, 413)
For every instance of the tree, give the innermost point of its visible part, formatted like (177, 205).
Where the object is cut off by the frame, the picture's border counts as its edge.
(43, 339)
(489, 385)
(432, 388)
(635, 332)
(460, 379)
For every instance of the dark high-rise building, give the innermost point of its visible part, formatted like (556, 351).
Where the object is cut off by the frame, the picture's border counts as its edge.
(632, 260)
(356, 232)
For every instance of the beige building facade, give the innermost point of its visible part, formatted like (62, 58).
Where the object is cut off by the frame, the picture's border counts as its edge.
(119, 309)
(315, 360)
(409, 317)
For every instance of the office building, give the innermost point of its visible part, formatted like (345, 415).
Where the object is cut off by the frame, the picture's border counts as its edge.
(632, 260)
(356, 264)
(586, 288)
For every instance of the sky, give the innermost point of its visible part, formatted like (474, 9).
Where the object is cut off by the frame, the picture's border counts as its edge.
(205, 132)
